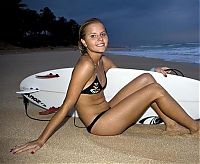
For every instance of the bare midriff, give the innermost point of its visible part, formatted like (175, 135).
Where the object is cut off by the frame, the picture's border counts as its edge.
(90, 105)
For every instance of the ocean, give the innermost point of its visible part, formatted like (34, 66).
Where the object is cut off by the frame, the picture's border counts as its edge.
(186, 52)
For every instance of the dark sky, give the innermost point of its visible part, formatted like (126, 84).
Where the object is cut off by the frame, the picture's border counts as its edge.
(133, 22)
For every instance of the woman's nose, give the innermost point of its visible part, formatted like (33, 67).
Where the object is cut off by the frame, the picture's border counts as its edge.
(100, 37)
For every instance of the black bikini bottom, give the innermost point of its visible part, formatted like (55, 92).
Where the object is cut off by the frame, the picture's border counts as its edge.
(89, 128)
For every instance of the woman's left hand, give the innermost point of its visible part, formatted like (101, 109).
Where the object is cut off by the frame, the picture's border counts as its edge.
(162, 70)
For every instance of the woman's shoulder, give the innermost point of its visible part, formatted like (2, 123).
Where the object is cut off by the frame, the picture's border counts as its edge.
(105, 58)
(85, 61)
(108, 63)
(84, 65)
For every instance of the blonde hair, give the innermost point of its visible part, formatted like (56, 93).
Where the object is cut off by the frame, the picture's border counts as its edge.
(81, 47)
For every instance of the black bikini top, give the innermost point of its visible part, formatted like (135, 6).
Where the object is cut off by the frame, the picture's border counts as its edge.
(95, 87)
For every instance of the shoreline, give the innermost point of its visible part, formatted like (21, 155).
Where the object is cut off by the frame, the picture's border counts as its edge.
(191, 70)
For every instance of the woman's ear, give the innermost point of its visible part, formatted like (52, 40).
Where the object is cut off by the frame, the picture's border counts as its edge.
(83, 42)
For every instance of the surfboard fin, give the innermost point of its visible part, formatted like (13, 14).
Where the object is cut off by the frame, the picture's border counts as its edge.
(49, 111)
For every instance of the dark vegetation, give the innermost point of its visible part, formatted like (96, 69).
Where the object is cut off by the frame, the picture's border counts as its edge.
(23, 27)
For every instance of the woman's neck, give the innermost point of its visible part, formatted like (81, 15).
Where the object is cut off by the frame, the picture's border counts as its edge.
(95, 57)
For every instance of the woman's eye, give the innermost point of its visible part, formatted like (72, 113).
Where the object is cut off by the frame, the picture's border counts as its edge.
(103, 34)
(93, 36)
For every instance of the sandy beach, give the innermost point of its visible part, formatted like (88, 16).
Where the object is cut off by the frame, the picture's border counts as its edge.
(139, 144)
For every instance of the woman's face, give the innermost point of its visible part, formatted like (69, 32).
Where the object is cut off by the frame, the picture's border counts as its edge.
(96, 39)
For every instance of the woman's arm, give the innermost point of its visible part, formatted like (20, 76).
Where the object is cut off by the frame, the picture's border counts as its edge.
(81, 74)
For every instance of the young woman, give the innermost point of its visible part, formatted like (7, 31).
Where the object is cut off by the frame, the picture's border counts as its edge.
(86, 93)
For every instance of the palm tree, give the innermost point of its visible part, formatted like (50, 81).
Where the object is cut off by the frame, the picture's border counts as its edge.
(10, 12)
(47, 18)
(73, 29)
(24, 27)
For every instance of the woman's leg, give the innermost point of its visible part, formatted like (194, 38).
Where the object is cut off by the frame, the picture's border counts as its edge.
(136, 84)
(171, 125)
(131, 108)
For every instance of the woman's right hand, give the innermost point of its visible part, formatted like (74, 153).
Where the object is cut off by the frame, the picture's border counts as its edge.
(31, 147)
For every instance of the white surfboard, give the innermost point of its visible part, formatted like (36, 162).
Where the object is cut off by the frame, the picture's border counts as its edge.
(48, 89)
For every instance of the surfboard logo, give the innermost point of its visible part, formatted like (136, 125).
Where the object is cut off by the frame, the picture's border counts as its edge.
(36, 100)
(151, 120)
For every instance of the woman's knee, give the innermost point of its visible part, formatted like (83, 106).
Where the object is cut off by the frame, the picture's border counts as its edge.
(156, 88)
(147, 78)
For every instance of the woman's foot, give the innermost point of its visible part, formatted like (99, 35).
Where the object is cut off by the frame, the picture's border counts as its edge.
(196, 128)
(175, 127)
